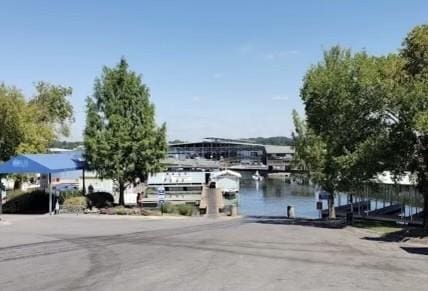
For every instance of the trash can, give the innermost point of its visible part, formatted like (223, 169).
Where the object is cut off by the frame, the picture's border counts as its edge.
(290, 211)
(349, 217)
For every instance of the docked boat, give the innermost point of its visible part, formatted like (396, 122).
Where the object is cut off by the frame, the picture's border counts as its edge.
(257, 176)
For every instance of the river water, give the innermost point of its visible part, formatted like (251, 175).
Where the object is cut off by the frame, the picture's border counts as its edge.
(271, 197)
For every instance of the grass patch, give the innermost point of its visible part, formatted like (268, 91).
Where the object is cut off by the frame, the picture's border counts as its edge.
(12, 194)
(380, 227)
(75, 204)
(122, 210)
(181, 209)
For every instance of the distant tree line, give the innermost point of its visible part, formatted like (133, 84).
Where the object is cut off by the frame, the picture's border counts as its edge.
(274, 140)
(68, 145)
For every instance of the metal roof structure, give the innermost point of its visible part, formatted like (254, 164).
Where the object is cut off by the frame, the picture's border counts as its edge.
(388, 178)
(43, 163)
(270, 149)
(191, 163)
(226, 173)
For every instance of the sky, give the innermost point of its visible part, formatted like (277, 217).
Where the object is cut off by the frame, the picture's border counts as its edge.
(219, 68)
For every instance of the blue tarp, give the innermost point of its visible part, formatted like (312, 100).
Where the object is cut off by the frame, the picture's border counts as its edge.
(43, 163)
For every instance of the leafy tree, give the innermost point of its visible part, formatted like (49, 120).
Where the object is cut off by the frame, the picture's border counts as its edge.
(371, 113)
(46, 117)
(412, 111)
(12, 104)
(29, 127)
(309, 150)
(122, 140)
(343, 109)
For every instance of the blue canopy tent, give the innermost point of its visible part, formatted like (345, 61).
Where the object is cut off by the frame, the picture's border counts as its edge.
(45, 164)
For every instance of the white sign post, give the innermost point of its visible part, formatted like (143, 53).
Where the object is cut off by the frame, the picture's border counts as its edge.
(161, 195)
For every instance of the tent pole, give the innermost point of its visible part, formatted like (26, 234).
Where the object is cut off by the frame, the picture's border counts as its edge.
(50, 194)
(83, 182)
(1, 195)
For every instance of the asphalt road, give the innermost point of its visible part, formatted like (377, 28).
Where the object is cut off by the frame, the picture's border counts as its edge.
(119, 253)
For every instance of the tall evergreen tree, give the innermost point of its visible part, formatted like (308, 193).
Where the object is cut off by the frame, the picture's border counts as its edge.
(122, 140)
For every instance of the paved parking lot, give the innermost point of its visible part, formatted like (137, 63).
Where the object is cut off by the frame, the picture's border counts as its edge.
(125, 253)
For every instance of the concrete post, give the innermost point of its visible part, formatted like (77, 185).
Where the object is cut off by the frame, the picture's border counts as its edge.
(50, 193)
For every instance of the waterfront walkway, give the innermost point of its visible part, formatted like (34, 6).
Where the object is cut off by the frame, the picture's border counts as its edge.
(120, 253)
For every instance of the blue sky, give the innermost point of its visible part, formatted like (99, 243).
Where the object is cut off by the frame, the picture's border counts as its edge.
(215, 68)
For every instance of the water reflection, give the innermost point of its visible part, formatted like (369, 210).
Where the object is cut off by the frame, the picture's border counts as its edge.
(271, 197)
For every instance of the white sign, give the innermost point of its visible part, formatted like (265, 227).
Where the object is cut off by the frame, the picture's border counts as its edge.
(161, 194)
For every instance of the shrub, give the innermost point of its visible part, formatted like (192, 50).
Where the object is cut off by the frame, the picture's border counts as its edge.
(35, 202)
(182, 209)
(100, 199)
(120, 210)
(168, 208)
(185, 209)
(64, 195)
(75, 204)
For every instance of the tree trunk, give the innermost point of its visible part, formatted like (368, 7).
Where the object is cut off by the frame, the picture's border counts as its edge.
(331, 209)
(425, 193)
(423, 174)
(121, 193)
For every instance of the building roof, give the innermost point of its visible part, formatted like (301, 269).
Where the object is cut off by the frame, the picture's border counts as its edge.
(274, 149)
(407, 179)
(43, 163)
(191, 163)
(226, 173)
(270, 149)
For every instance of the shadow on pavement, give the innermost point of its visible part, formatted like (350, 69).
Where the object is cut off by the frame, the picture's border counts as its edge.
(415, 250)
(401, 235)
(322, 223)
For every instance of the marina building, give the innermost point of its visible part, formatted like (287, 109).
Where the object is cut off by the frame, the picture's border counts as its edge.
(235, 152)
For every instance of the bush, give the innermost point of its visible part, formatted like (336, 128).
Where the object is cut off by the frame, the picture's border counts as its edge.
(167, 208)
(182, 209)
(121, 210)
(35, 202)
(63, 196)
(100, 199)
(75, 204)
(185, 209)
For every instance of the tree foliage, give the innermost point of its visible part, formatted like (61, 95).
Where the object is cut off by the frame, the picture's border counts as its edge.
(122, 140)
(31, 126)
(12, 105)
(369, 112)
(310, 150)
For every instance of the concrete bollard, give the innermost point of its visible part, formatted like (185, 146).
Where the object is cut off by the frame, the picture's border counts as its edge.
(290, 211)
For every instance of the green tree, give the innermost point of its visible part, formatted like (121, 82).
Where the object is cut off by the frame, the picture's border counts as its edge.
(12, 104)
(309, 150)
(343, 109)
(122, 140)
(46, 117)
(29, 127)
(412, 111)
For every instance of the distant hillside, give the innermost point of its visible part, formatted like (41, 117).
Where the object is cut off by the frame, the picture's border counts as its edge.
(176, 141)
(274, 140)
(68, 145)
